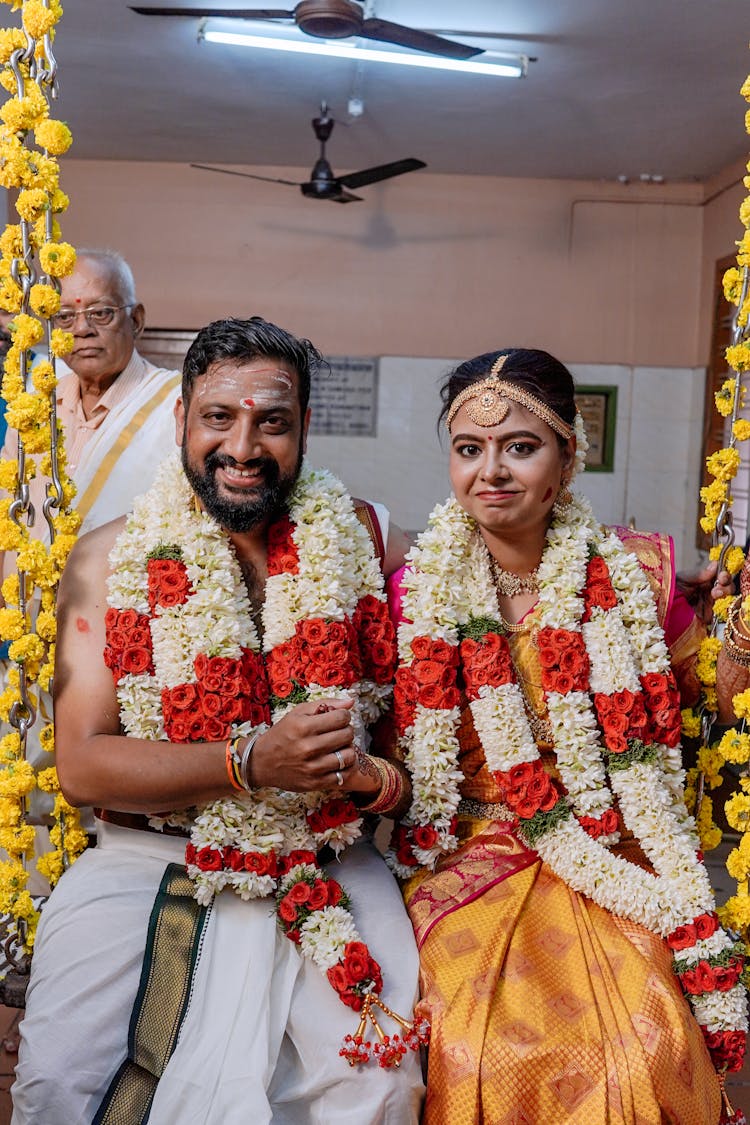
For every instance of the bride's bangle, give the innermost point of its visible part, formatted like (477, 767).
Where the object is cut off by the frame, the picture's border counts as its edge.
(392, 788)
(737, 653)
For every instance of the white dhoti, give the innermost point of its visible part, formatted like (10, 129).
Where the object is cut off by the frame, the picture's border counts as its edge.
(261, 1036)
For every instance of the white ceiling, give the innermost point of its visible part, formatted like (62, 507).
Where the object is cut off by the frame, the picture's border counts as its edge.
(621, 87)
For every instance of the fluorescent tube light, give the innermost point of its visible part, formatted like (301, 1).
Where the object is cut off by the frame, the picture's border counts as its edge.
(512, 66)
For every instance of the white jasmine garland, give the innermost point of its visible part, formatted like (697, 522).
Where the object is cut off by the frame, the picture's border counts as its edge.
(449, 584)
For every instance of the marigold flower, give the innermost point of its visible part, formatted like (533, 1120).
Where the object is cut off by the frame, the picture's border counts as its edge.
(710, 762)
(39, 20)
(11, 39)
(43, 374)
(44, 299)
(32, 203)
(741, 429)
(11, 295)
(738, 865)
(58, 259)
(26, 330)
(28, 647)
(725, 462)
(12, 624)
(745, 212)
(741, 704)
(61, 342)
(732, 285)
(46, 625)
(733, 559)
(54, 136)
(691, 723)
(58, 201)
(737, 810)
(735, 747)
(10, 589)
(47, 737)
(738, 356)
(745, 89)
(47, 780)
(22, 114)
(28, 411)
(722, 606)
(50, 866)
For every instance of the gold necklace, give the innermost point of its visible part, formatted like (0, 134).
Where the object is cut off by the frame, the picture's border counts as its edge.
(510, 584)
(507, 626)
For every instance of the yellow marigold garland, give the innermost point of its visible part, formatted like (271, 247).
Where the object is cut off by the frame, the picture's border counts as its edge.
(734, 745)
(32, 260)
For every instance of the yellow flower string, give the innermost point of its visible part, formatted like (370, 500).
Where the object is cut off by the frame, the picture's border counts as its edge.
(734, 746)
(32, 260)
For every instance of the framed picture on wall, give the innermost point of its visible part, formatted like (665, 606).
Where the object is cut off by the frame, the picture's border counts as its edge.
(598, 407)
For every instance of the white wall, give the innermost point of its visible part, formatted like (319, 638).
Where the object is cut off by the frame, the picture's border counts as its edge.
(657, 448)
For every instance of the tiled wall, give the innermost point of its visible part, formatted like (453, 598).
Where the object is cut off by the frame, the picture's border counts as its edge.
(657, 448)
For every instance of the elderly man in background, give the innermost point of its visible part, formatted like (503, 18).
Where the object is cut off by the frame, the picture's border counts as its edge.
(115, 406)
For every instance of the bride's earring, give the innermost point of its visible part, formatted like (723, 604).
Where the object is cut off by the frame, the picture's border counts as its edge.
(563, 500)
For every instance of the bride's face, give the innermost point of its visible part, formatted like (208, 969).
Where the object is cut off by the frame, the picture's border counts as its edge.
(507, 476)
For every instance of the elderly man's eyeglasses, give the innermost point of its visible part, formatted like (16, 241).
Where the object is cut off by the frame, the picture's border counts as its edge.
(100, 316)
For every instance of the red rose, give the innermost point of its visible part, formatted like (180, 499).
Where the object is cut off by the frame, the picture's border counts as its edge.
(287, 910)
(136, 659)
(517, 775)
(726, 977)
(424, 836)
(427, 671)
(177, 728)
(234, 859)
(190, 853)
(597, 569)
(706, 925)
(318, 895)
(313, 631)
(127, 618)
(260, 863)
(111, 617)
(690, 983)
(335, 892)
(301, 855)
(357, 968)
(299, 893)
(338, 978)
(421, 647)
(682, 938)
(182, 697)
(209, 860)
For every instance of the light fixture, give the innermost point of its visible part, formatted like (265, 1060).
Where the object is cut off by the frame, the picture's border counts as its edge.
(507, 66)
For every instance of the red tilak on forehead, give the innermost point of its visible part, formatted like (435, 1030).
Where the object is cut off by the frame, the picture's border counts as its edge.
(78, 300)
(248, 402)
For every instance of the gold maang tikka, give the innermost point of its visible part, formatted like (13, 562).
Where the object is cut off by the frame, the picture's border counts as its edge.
(488, 403)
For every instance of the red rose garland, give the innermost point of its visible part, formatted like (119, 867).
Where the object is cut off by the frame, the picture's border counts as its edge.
(230, 692)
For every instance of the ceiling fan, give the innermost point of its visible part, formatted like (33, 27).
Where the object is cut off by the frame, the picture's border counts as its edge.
(323, 184)
(333, 19)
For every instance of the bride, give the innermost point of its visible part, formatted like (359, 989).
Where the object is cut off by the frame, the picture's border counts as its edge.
(573, 966)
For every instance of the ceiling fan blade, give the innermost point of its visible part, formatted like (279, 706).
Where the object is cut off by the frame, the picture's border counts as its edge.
(382, 172)
(218, 13)
(388, 32)
(245, 175)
